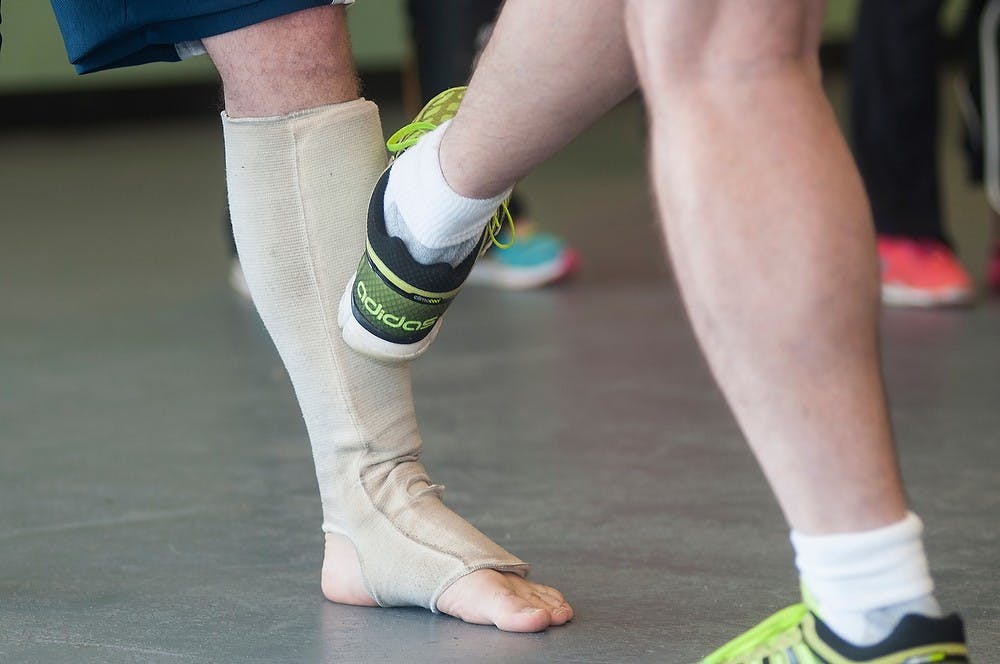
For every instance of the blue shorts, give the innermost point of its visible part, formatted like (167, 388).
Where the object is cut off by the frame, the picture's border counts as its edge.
(104, 34)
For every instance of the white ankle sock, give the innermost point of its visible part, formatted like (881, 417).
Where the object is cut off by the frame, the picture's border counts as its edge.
(864, 583)
(436, 224)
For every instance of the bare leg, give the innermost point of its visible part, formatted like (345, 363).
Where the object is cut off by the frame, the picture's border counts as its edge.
(772, 241)
(781, 287)
(301, 63)
(535, 89)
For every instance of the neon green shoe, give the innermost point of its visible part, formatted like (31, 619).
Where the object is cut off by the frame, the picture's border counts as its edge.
(392, 309)
(796, 635)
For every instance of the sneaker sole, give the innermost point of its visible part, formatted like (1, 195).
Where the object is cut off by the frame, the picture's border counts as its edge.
(361, 340)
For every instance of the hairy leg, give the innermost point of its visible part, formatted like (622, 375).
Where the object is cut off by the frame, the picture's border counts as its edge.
(302, 155)
(536, 87)
(737, 110)
(771, 237)
(291, 63)
(795, 347)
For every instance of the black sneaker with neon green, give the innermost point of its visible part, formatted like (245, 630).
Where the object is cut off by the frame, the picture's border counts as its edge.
(796, 635)
(392, 308)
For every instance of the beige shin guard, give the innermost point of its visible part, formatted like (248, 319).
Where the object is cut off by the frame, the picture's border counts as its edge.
(299, 188)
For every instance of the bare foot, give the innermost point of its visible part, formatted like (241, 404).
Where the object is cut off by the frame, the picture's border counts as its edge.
(484, 597)
(342, 580)
(513, 604)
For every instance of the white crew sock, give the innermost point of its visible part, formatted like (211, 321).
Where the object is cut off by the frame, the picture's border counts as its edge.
(436, 224)
(864, 583)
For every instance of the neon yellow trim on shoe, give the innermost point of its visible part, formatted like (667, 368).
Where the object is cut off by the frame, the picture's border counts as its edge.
(790, 636)
(402, 285)
(777, 632)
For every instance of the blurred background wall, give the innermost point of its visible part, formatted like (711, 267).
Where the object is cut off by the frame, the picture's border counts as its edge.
(33, 59)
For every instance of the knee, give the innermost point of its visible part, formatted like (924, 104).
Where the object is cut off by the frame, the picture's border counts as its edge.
(719, 41)
(294, 62)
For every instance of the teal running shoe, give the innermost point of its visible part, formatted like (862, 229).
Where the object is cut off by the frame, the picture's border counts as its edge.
(535, 260)
(796, 635)
(392, 308)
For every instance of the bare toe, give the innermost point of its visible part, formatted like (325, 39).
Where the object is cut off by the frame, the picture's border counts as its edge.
(560, 611)
(487, 597)
(512, 612)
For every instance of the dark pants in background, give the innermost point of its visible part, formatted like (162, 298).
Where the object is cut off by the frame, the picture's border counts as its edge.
(894, 114)
(447, 35)
(894, 111)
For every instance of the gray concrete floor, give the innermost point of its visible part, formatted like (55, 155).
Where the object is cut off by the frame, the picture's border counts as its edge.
(157, 499)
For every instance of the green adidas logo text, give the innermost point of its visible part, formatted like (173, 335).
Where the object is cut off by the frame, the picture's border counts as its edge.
(379, 313)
